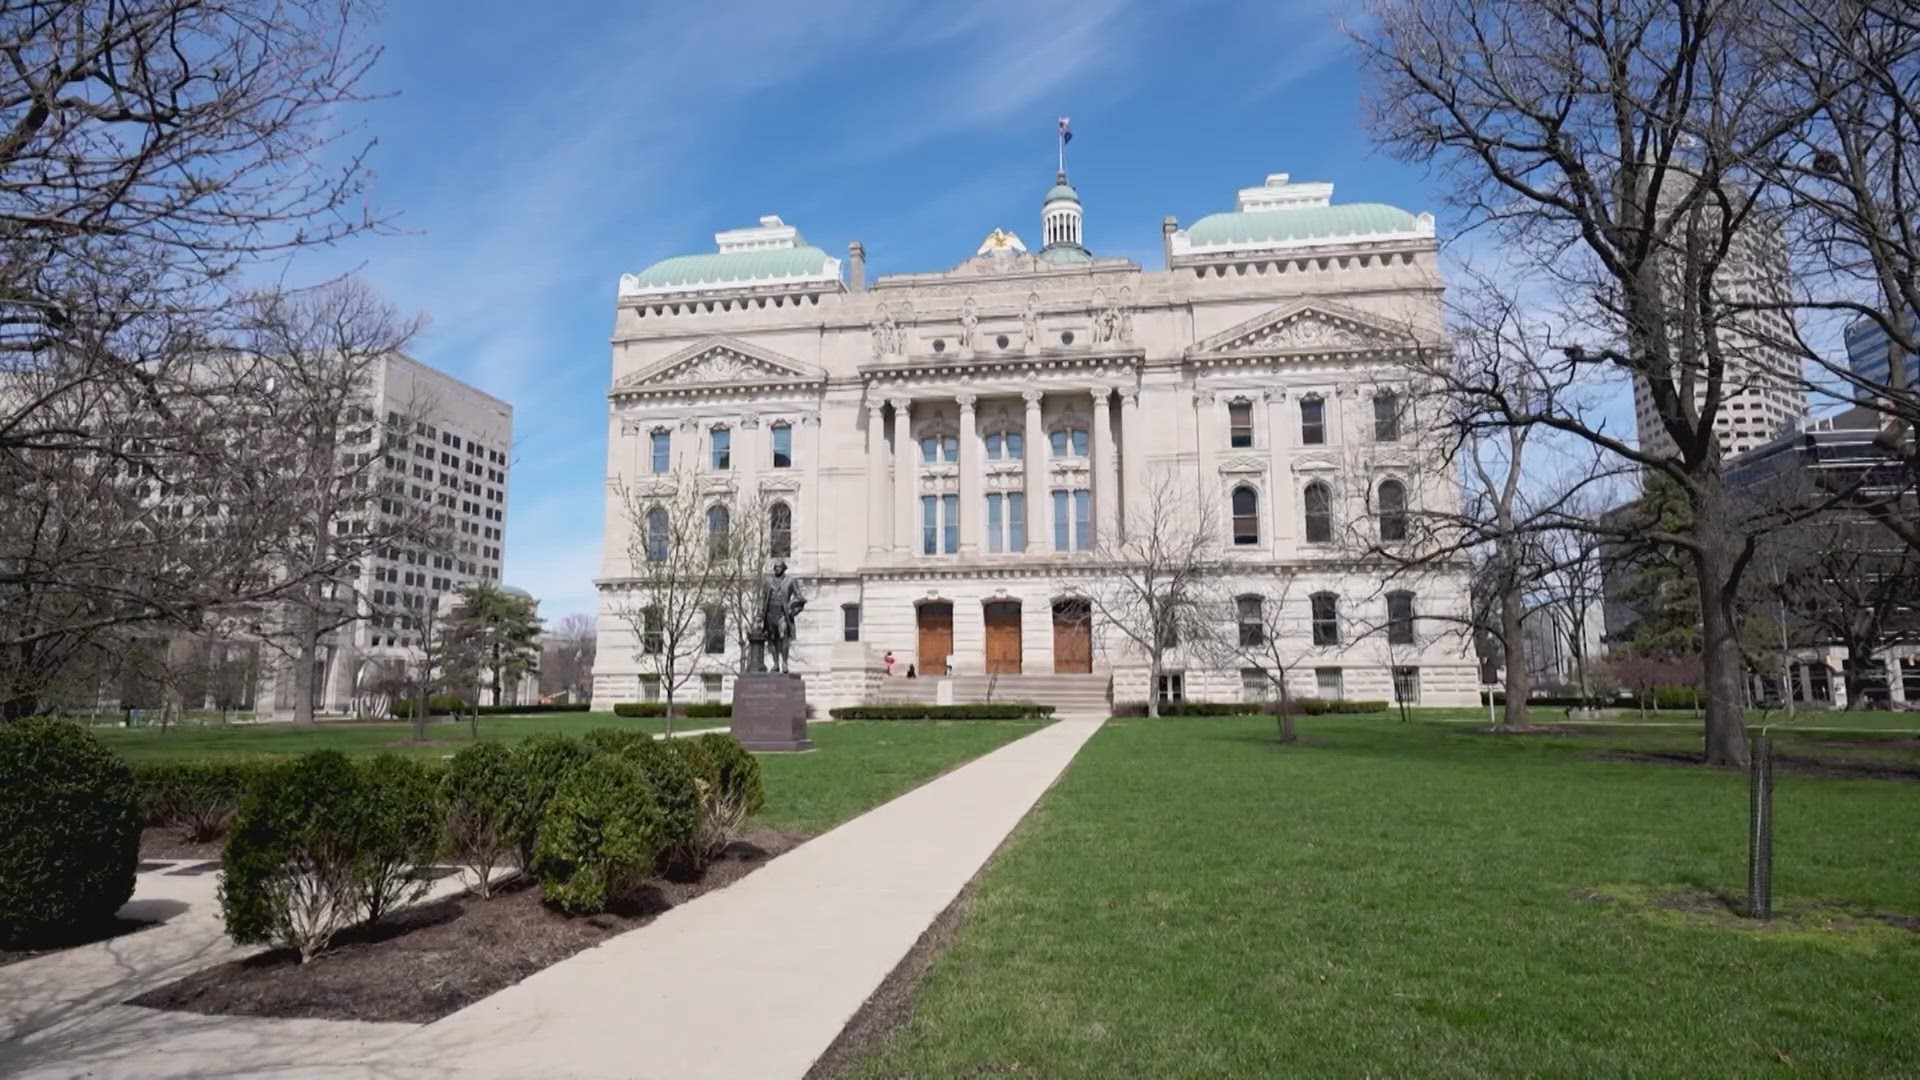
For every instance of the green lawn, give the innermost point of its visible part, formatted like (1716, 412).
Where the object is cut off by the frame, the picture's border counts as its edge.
(1195, 899)
(859, 764)
(444, 736)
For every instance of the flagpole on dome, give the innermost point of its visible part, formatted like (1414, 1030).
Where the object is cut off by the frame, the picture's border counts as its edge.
(1066, 136)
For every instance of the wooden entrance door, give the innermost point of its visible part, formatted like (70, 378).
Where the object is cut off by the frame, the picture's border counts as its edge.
(936, 638)
(1003, 637)
(1072, 637)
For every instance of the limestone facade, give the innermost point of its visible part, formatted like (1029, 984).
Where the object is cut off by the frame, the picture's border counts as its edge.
(907, 425)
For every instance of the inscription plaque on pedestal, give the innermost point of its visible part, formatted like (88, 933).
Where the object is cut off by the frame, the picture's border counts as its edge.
(770, 711)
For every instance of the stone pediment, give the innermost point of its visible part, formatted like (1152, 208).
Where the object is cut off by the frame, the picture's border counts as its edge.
(1309, 326)
(720, 362)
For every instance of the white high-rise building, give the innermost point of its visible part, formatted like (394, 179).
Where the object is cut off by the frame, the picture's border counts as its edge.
(453, 456)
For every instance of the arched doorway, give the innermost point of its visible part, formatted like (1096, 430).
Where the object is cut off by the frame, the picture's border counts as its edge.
(1072, 637)
(935, 621)
(1002, 619)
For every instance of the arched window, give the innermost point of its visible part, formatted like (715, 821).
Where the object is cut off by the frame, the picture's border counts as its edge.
(1069, 442)
(1246, 515)
(719, 522)
(1005, 445)
(1319, 508)
(936, 448)
(780, 531)
(1400, 618)
(1393, 510)
(1326, 618)
(1250, 613)
(657, 534)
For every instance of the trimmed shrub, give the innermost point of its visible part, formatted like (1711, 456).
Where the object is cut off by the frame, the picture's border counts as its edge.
(698, 710)
(294, 857)
(1005, 710)
(1553, 701)
(480, 790)
(676, 795)
(737, 771)
(609, 740)
(598, 837)
(199, 798)
(402, 819)
(540, 764)
(437, 705)
(70, 821)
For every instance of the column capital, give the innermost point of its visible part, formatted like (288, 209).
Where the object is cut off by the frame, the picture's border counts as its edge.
(874, 405)
(749, 420)
(1130, 398)
(966, 401)
(1273, 393)
(1032, 397)
(1101, 394)
(1203, 397)
(901, 404)
(812, 419)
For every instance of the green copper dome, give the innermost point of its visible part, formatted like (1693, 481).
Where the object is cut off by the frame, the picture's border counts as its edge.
(1062, 191)
(1300, 223)
(723, 268)
(1065, 253)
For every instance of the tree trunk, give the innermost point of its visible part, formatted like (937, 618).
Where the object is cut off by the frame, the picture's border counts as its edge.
(304, 657)
(1153, 684)
(669, 690)
(1513, 643)
(1288, 734)
(1726, 732)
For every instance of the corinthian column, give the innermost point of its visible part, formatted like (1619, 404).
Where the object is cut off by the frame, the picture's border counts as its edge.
(1105, 498)
(879, 534)
(1039, 528)
(906, 472)
(1132, 455)
(970, 501)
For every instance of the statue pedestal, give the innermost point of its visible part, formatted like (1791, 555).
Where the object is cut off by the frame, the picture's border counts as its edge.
(770, 712)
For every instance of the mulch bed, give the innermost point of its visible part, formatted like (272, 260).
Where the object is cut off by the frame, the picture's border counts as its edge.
(164, 843)
(117, 928)
(1787, 764)
(433, 959)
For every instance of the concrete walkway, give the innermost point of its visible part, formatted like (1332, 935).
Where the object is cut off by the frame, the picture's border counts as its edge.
(756, 980)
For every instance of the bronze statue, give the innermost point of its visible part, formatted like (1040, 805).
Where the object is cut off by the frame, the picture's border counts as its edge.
(780, 606)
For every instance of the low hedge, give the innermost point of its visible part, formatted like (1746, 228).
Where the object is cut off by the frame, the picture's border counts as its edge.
(1005, 710)
(198, 797)
(69, 832)
(697, 710)
(1303, 706)
(1552, 701)
(437, 705)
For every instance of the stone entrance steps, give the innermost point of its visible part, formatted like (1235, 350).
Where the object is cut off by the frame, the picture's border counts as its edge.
(1070, 695)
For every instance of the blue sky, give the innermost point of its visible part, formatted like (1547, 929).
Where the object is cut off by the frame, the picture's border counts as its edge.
(534, 152)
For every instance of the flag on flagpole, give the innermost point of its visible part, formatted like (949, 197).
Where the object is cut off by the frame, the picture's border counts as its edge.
(1066, 133)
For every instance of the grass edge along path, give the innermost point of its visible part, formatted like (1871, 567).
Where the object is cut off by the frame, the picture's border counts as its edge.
(1194, 899)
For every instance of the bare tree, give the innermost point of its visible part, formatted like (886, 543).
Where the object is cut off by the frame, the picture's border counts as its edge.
(149, 154)
(1569, 592)
(1154, 584)
(1259, 630)
(1850, 581)
(677, 578)
(1609, 145)
(567, 664)
(343, 465)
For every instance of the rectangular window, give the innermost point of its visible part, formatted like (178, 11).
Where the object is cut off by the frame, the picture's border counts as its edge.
(782, 446)
(1172, 688)
(1386, 418)
(722, 449)
(1326, 619)
(1326, 681)
(1406, 685)
(1062, 524)
(711, 688)
(849, 622)
(1083, 520)
(994, 541)
(929, 525)
(649, 688)
(950, 522)
(1313, 422)
(1254, 684)
(1399, 618)
(716, 632)
(1017, 522)
(1240, 424)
